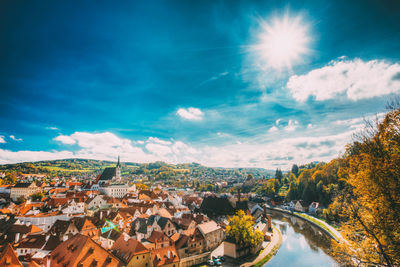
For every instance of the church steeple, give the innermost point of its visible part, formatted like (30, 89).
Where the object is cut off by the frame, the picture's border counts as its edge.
(118, 163)
(118, 171)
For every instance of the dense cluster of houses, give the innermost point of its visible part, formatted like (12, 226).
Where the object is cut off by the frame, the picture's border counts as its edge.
(107, 223)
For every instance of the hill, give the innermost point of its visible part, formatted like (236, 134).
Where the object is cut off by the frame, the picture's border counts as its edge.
(157, 169)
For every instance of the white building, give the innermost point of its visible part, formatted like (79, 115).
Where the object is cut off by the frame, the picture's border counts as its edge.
(114, 190)
(23, 190)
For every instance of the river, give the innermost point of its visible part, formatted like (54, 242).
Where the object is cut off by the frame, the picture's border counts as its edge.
(303, 244)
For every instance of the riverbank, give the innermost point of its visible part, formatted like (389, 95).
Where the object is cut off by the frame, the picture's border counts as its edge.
(328, 229)
(268, 252)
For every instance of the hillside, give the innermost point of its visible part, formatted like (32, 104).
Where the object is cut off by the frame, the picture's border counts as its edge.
(157, 169)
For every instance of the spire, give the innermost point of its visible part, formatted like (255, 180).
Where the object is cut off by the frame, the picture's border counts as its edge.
(118, 164)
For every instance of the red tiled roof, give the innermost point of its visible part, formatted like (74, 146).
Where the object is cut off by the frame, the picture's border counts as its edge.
(9, 258)
(125, 248)
(81, 251)
(163, 256)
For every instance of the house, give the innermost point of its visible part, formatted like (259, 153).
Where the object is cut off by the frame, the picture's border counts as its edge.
(147, 195)
(213, 234)
(184, 223)
(96, 202)
(292, 204)
(66, 229)
(43, 220)
(81, 251)
(142, 227)
(24, 190)
(191, 244)
(107, 239)
(9, 258)
(313, 208)
(73, 207)
(19, 231)
(159, 239)
(114, 190)
(51, 243)
(31, 245)
(131, 252)
(167, 257)
(301, 206)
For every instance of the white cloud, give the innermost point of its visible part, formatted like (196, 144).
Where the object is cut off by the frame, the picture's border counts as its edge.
(292, 126)
(158, 149)
(2, 141)
(356, 79)
(277, 121)
(273, 129)
(309, 126)
(65, 139)
(52, 128)
(322, 144)
(15, 139)
(7, 156)
(158, 141)
(190, 114)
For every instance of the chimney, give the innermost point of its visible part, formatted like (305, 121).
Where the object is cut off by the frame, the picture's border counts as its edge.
(101, 215)
(17, 237)
(169, 254)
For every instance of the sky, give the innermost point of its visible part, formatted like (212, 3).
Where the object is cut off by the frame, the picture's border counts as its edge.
(222, 83)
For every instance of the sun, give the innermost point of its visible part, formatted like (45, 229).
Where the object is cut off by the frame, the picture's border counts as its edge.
(283, 42)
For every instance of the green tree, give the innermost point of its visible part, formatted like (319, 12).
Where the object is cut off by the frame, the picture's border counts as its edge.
(37, 197)
(295, 170)
(278, 175)
(241, 229)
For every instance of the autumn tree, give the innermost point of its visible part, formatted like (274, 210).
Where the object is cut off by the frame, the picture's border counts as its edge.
(369, 204)
(241, 229)
(9, 178)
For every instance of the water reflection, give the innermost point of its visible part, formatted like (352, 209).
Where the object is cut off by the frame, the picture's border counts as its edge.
(303, 244)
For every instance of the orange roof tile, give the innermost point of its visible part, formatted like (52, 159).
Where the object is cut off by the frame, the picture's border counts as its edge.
(163, 256)
(125, 248)
(9, 258)
(81, 250)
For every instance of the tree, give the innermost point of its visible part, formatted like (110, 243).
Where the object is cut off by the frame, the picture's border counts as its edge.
(141, 187)
(269, 188)
(9, 179)
(241, 229)
(278, 175)
(37, 197)
(295, 170)
(369, 205)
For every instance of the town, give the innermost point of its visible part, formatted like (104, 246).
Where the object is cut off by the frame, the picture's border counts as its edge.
(108, 222)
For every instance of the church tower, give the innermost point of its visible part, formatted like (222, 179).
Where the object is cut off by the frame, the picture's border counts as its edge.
(118, 171)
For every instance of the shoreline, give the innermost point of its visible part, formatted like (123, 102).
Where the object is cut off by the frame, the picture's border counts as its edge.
(269, 251)
(326, 228)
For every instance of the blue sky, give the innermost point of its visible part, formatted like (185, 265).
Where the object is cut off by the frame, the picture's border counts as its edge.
(184, 81)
